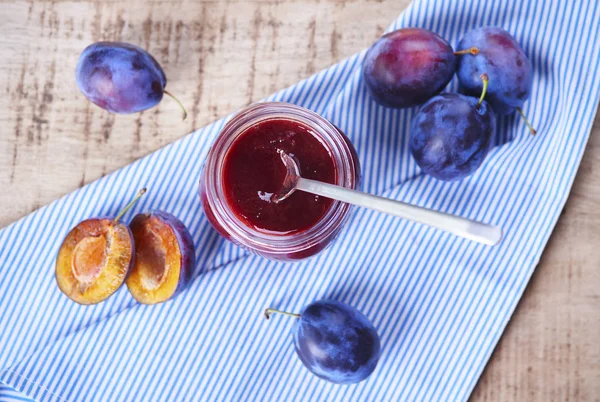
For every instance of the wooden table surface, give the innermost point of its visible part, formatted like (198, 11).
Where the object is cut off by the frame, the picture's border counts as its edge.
(221, 55)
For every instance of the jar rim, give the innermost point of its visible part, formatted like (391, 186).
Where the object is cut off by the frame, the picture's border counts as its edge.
(261, 241)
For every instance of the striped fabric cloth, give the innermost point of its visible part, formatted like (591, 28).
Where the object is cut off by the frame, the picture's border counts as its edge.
(440, 303)
(8, 394)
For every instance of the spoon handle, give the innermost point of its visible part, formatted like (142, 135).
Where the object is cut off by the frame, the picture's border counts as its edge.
(469, 229)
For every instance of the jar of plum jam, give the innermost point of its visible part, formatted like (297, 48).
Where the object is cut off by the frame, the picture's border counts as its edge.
(244, 169)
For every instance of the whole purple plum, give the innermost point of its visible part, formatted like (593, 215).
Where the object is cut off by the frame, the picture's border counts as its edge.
(451, 135)
(497, 54)
(335, 341)
(164, 257)
(121, 77)
(407, 67)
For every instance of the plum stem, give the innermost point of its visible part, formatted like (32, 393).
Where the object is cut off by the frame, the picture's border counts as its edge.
(128, 206)
(270, 311)
(184, 112)
(529, 126)
(472, 50)
(486, 81)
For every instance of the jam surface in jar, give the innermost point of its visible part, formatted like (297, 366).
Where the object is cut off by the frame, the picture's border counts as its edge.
(253, 171)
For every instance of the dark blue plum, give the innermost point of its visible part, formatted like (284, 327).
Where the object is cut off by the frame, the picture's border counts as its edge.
(406, 67)
(503, 60)
(120, 77)
(451, 135)
(336, 342)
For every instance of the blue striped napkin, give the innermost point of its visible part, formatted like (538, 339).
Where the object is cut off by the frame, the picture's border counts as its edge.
(440, 303)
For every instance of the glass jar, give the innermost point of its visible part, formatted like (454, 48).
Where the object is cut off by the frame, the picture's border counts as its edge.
(284, 247)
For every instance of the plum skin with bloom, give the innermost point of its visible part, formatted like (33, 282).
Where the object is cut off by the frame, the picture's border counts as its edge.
(406, 67)
(502, 59)
(451, 135)
(120, 77)
(336, 342)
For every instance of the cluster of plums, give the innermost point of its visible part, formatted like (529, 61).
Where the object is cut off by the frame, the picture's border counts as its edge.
(451, 134)
(450, 137)
(154, 255)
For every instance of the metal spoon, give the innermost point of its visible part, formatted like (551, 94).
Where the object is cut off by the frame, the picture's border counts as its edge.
(463, 227)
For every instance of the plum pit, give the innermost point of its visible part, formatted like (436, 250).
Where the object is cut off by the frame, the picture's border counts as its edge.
(89, 257)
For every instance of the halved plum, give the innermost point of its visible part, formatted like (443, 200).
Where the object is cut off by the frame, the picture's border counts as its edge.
(164, 257)
(95, 258)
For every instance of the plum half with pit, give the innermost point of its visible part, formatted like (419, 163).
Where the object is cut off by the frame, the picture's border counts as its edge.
(335, 341)
(95, 258)
(495, 52)
(407, 67)
(121, 78)
(451, 135)
(164, 257)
